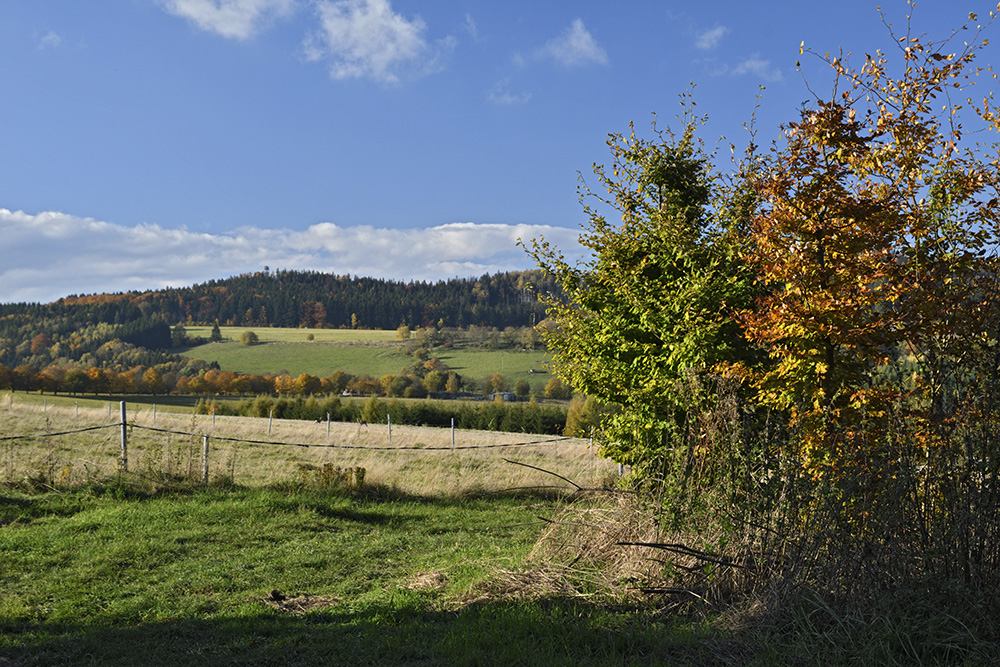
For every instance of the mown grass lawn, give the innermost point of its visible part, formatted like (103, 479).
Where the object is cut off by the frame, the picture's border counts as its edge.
(290, 576)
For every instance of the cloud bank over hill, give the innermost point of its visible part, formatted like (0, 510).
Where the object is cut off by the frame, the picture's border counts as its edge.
(49, 255)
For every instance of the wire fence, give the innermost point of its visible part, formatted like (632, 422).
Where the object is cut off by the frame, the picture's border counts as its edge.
(142, 443)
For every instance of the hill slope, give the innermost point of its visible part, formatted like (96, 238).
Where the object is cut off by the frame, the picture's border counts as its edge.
(125, 330)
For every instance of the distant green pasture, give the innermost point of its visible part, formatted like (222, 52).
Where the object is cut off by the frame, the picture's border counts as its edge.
(316, 358)
(355, 351)
(287, 335)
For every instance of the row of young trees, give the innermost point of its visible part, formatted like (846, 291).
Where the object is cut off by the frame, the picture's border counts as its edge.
(528, 417)
(417, 381)
(804, 350)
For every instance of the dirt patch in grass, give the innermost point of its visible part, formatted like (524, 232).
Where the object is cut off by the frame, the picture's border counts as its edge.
(298, 604)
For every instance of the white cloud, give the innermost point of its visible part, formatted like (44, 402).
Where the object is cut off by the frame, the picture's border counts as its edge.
(95, 256)
(367, 39)
(236, 19)
(574, 47)
(500, 94)
(709, 39)
(757, 67)
(471, 28)
(50, 40)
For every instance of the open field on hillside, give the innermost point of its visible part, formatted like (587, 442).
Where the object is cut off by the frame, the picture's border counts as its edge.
(409, 458)
(287, 335)
(356, 351)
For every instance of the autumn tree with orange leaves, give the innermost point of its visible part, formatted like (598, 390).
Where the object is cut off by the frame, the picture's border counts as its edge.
(877, 239)
(877, 236)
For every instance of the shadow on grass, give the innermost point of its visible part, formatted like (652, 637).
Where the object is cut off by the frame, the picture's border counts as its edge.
(24, 509)
(555, 632)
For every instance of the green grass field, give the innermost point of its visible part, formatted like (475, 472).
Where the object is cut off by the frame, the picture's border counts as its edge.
(417, 567)
(295, 576)
(356, 351)
(285, 335)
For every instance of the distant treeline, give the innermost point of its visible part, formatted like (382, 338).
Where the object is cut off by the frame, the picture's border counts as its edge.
(527, 417)
(313, 299)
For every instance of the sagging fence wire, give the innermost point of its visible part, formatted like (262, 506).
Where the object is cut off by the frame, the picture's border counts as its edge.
(52, 435)
(124, 423)
(229, 456)
(362, 447)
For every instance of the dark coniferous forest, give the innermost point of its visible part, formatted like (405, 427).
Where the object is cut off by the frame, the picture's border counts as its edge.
(314, 299)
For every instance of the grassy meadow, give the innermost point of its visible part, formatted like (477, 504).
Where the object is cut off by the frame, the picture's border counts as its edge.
(354, 351)
(271, 563)
(299, 576)
(409, 459)
(435, 557)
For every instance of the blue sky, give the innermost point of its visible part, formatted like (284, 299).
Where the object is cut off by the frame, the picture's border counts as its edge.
(151, 143)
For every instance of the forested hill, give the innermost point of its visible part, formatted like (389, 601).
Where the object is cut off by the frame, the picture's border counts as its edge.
(314, 299)
(134, 328)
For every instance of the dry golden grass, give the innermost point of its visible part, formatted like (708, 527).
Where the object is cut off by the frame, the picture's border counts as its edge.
(417, 460)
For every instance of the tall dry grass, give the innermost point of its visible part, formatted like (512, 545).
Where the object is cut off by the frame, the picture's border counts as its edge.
(417, 460)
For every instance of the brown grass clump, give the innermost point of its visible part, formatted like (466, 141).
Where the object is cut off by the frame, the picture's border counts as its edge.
(426, 581)
(610, 546)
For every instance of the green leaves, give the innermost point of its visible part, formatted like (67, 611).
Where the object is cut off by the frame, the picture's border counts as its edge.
(656, 301)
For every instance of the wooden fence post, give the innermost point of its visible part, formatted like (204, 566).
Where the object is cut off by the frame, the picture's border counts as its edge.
(204, 458)
(124, 426)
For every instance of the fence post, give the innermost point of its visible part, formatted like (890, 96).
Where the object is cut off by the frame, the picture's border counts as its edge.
(204, 458)
(453, 433)
(77, 409)
(388, 420)
(328, 427)
(270, 417)
(213, 414)
(124, 426)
